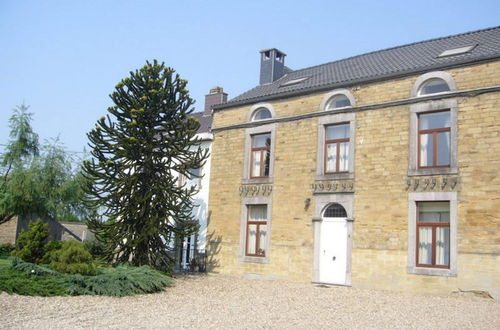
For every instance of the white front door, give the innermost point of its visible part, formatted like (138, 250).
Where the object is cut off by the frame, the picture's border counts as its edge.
(333, 251)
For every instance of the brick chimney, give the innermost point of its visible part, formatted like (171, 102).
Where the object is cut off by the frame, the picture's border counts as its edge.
(272, 65)
(214, 97)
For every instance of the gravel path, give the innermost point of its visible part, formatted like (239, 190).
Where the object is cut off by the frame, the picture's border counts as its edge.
(229, 302)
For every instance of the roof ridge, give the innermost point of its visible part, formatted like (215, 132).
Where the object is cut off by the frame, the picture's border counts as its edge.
(396, 47)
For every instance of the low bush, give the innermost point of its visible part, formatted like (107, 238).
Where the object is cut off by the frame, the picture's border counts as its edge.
(32, 269)
(72, 258)
(119, 281)
(15, 281)
(6, 249)
(30, 243)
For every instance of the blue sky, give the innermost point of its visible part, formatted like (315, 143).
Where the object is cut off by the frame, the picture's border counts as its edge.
(63, 58)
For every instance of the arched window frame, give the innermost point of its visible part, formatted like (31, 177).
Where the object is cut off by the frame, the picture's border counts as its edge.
(423, 79)
(326, 99)
(334, 205)
(256, 107)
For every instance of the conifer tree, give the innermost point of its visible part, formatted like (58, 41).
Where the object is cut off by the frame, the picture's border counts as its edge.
(139, 149)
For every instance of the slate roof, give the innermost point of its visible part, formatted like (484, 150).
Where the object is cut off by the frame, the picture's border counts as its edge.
(205, 122)
(388, 63)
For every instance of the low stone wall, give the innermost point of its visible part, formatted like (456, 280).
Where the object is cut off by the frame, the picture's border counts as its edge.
(8, 231)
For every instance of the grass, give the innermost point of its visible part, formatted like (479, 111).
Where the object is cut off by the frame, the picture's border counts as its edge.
(5, 263)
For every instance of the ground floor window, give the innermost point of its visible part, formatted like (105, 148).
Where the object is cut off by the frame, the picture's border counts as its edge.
(256, 231)
(433, 234)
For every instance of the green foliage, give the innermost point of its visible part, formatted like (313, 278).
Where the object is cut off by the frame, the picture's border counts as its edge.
(30, 243)
(32, 269)
(147, 137)
(50, 249)
(119, 281)
(15, 281)
(72, 258)
(6, 249)
(97, 250)
(38, 180)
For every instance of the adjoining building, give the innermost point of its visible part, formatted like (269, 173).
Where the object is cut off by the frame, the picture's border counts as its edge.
(377, 171)
(192, 249)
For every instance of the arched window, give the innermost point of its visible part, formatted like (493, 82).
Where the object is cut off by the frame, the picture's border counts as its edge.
(433, 83)
(433, 86)
(338, 101)
(261, 114)
(335, 210)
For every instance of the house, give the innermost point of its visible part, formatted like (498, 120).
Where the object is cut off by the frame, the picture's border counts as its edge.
(193, 247)
(377, 171)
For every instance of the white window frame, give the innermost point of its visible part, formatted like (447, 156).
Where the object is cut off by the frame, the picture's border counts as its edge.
(413, 199)
(249, 132)
(258, 106)
(323, 122)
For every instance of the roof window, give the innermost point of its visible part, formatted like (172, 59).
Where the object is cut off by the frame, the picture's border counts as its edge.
(294, 81)
(457, 51)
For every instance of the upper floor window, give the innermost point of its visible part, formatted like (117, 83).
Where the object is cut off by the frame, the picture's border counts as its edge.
(433, 83)
(261, 113)
(260, 155)
(337, 148)
(433, 86)
(337, 99)
(434, 139)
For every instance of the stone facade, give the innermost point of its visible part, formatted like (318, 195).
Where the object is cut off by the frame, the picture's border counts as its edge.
(380, 188)
(8, 231)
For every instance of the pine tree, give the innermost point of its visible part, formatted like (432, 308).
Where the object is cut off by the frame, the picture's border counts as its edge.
(139, 149)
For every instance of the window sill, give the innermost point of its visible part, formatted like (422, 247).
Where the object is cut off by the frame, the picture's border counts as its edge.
(335, 176)
(255, 260)
(431, 271)
(433, 171)
(257, 180)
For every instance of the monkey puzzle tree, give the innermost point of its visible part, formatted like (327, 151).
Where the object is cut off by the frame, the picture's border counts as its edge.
(139, 149)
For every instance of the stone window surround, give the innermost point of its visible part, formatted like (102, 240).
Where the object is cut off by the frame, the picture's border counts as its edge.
(349, 117)
(243, 227)
(415, 110)
(330, 95)
(433, 75)
(257, 106)
(269, 128)
(413, 198)
(321, 203)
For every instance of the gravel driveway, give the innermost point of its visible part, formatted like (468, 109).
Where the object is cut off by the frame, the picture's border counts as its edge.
(229, 302)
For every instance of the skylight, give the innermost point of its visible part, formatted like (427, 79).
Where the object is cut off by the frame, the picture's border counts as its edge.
(457, 51)
(293, 81)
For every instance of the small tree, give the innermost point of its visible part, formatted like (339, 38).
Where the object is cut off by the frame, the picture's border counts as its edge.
(30, 245)
(138, 150)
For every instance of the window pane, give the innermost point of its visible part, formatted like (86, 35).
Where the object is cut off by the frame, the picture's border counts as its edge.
(426, 149)
(337, 132)
(434, 86)
(443, 246)
(425, 245)
(434, 120)
(344, 157)
(331, 157)
(335, 211)
(338, 101)
(261, 140)
(434, 212)
(257, 212)
(256, 163)
(262, 240)
(443, 157)
(267, 158)
(252, 239)
(262, 114)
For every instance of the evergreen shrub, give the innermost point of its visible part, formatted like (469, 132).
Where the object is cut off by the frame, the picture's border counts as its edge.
(72, 258)
(30, 243)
